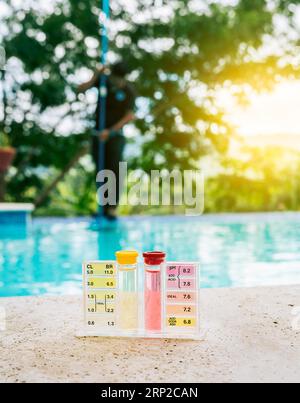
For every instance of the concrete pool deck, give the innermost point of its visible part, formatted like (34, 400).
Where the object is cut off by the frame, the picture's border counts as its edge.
(250, 338)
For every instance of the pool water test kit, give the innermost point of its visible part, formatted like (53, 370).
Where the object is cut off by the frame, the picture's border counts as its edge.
(158, 299)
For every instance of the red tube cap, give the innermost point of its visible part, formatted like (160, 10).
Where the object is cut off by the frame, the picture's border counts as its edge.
(154, 258)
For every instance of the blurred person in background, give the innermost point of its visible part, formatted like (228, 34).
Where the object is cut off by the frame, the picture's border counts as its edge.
(120, 107)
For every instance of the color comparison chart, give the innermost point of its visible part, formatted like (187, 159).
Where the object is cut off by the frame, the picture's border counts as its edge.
(156, 299)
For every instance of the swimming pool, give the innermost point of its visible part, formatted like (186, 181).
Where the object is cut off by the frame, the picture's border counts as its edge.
(234, 250)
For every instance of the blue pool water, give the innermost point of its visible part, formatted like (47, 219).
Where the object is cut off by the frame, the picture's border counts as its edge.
(234, 250)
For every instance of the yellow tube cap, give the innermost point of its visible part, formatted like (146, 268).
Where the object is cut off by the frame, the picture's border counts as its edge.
(127, 257)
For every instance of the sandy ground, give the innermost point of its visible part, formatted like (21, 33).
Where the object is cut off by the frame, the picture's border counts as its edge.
(249, 338)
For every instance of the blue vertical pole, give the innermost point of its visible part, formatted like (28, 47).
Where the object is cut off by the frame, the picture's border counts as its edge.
(103, 87)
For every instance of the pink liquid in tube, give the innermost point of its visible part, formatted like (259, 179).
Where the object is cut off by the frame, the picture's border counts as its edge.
(153, 290)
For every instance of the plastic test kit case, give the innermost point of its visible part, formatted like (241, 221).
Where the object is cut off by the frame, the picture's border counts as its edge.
(157, 299)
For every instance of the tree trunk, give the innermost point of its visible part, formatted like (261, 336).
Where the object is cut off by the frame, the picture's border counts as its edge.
(2, 186)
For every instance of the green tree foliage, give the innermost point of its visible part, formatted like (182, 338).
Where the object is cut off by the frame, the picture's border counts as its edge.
(266, 179)
(181, 56)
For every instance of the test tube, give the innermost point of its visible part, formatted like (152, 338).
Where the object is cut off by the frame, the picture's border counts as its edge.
(153, 291)
(128, 295)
